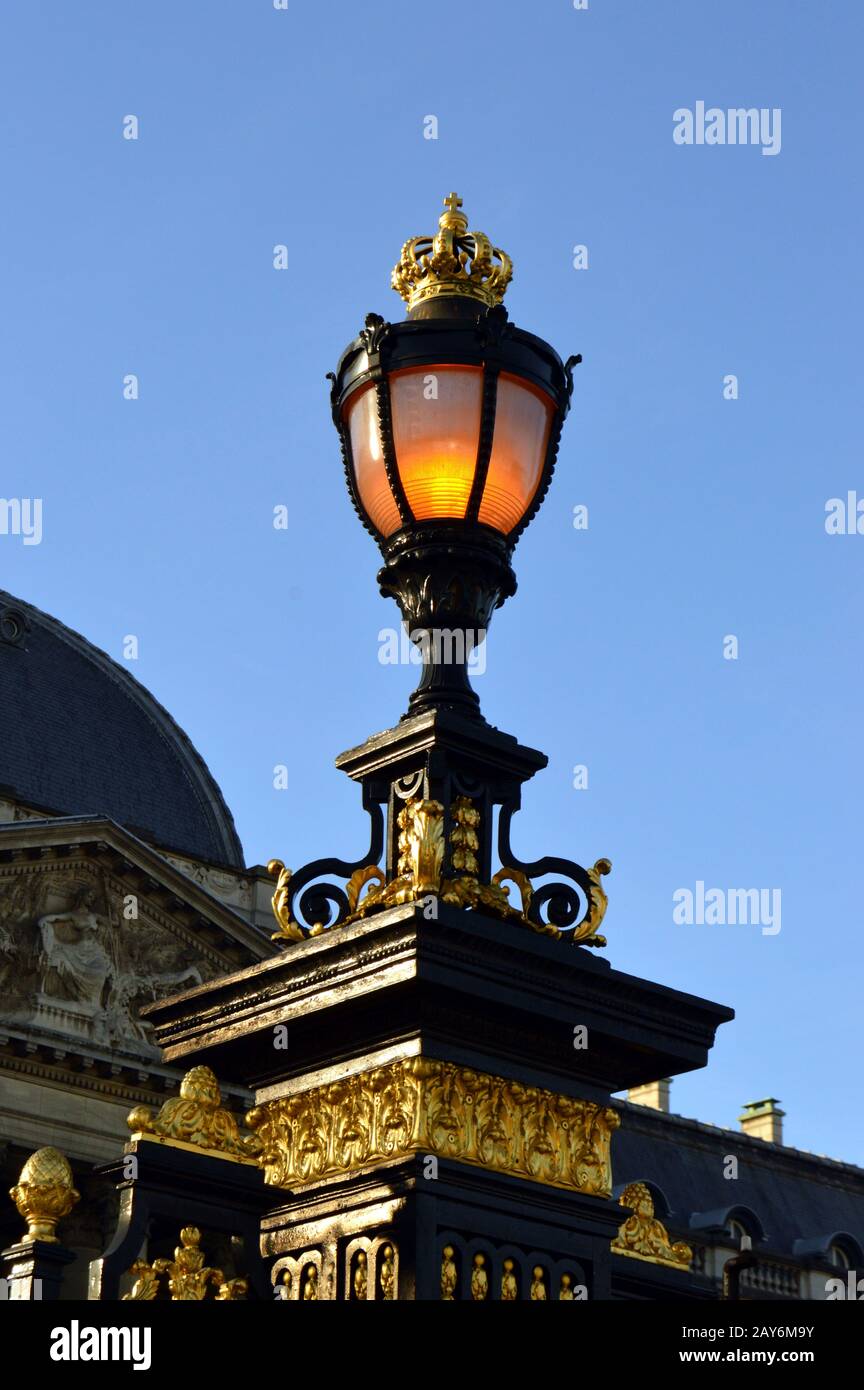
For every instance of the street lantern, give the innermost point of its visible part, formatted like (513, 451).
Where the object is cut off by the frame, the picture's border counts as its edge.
(449, 423)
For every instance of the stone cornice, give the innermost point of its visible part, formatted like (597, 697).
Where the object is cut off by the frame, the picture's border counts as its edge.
(85, 1068)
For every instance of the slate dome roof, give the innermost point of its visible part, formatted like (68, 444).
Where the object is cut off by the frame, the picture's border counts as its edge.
(80, 736)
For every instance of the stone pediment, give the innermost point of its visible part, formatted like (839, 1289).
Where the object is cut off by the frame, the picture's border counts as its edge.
(95, 925)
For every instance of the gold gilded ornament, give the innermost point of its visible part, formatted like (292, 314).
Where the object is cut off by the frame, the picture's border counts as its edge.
(523, 883)
(509, 1286)
(146, 1286)
(453, 262)
(289, 930)
(643, 1237)
(188, 1278)
(419, 868)
(422, 1105)
(479, 1279)
(358, 880)
(421, 854)
(538, 1284)
(310, 1287)
(423, 851)
(44, 1194)
(585, 934)
(449, 1274)
(597, 904)
(466, 890)
(464, 838)
(196, 1117)
(387, 1273)
(232, 1291)
(361, 1277)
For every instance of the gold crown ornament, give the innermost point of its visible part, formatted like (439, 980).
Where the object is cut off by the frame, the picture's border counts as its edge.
(453, 262)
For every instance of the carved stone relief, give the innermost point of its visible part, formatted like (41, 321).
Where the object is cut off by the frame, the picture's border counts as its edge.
(74, 959)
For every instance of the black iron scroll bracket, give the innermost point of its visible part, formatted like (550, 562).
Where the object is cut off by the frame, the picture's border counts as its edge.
(574, 913)
(310, 906)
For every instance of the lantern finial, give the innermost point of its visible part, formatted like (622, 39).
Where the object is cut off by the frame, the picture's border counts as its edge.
(455, 262)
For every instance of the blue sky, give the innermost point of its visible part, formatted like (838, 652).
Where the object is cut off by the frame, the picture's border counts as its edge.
(304, 127)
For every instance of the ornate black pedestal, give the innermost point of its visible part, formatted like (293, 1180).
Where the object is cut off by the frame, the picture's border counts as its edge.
(432, 1101)
(165, 1187)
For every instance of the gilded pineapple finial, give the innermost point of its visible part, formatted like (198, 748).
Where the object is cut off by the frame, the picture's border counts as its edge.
(44, 1193)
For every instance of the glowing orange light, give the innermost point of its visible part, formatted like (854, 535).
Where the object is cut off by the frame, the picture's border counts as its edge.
(523, 418)
(436, 428)
(436, 415)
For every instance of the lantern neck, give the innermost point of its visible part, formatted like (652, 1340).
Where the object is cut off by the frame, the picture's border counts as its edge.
(455, 307)
(447, 579)
(445, 683)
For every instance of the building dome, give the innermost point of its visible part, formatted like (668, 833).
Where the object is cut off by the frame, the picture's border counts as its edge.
(82, 737)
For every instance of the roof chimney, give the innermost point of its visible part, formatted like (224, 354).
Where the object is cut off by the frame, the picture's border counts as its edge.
(763, 1119)
(653, 1093)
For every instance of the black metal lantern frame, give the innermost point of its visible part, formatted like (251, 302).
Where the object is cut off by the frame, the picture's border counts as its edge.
(443, 773)
(448, 573)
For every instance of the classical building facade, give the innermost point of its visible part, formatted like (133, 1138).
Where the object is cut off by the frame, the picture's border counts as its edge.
(121, 880)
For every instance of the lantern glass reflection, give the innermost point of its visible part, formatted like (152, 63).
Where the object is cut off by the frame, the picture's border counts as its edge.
(436, 414)
(436, 430)
(367, 456)
(523, 418)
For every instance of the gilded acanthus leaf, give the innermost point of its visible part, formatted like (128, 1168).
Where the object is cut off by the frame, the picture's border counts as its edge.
(422, 1105)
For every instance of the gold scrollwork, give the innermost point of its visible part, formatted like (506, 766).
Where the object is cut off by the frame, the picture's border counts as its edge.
(358, 880)
(419, 875)
(188, 1278)
(421, 854)
(421, 1105)
(643, 1237)
(597, 904)
(585, 933)
(289, 930)
(523, 883)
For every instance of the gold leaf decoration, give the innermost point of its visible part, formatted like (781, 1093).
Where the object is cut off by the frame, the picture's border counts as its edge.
(44, 1193)
(422, 1105)
(419, 876)
(188, 1278)
(643, 1237)
(196, 1117)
